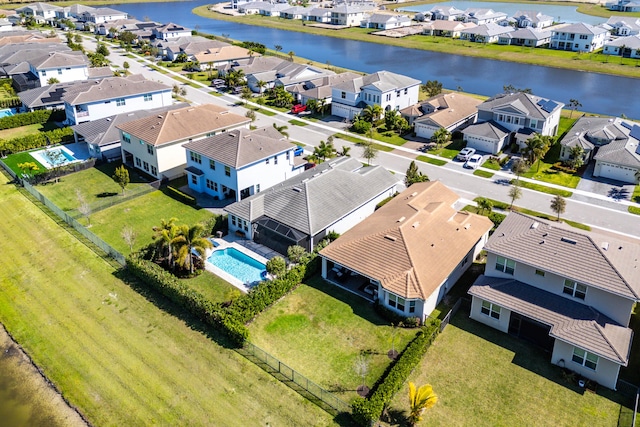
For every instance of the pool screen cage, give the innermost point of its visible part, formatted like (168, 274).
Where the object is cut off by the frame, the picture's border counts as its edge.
(278, 236)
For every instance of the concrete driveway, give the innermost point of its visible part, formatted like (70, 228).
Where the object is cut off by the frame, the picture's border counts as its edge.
(616, 190)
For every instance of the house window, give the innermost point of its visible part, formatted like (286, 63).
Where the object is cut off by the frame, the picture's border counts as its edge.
(505, 265)
(138, 162)
(150, 149)
(196, 158)
(575, 289)
(275, 160)
(343, 95)
(257, 188)
(233, 220)
(533, 124)
(396, 302)
(406, 91)
(245, 225)
(288, 155)
(148, 97)
(126, 137)
(539, 272)
(120, 102)
(227, 171)
(145, 166)
(212, 185)
(584, 358)
(583, 36)
(267, 161)
(490, 309)
(212, 164)
(154, 171)
(412, 306)
(59, 71)
(44, 73)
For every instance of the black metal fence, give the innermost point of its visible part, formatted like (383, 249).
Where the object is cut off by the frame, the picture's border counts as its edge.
(447, 318)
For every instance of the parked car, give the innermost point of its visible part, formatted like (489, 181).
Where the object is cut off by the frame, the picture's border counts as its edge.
(299, 151)
(465, 154)
(298, 108)
(473, 162)
(217, 83)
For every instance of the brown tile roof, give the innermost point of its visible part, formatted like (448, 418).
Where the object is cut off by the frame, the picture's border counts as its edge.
(570, 321)
(224, 53)
(413, 243)
(183, 123)
(450, 108)
(604, 262)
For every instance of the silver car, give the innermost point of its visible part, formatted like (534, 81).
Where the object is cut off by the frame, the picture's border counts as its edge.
(465, 153)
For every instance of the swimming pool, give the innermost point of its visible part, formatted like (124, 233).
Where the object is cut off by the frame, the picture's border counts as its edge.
(53, 157)
(241, 266)
(6, 112)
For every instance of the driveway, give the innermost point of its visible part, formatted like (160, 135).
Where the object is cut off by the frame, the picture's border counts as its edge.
(616, 190)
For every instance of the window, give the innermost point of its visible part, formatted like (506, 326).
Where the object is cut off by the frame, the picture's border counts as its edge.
(267, 161)
(233, 220)
(154, 171)
(490, 309)
(575, 289)
(138, 162)
(406, 91)
(227, 171)
(195, 157)
(145, 166)
(120, 102)
(212, 164)
(505, 265)
(539, 272)
(398, 94)
(150, 149)
(194, 180)
(126, 137)
(584, 358)
(148, 97)
(343, 95)
(288, 155)
(245, 225)
(212, 185)
(257, 188)
(396, 301)
(275, 160)
(583, 37)
(44, 73)
(412, 306)
(59, 71)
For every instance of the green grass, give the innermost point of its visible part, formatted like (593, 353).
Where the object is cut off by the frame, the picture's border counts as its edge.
(266, 112)
(298, 122)
(635, 197)
(431, 160)
(15, 159)
(153, 67)
(112, 352)
(631, 373)
(211, 286)
(26, 130)
(319, 330)
(483, 174)
(485, 377)
(634, 210)
(543, 171)
(349, 138)
(381, 134)
(449, 151)
(544, 188)
(492, 164)
(187, 82)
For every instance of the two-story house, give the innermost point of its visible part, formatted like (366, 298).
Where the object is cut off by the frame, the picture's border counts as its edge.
(481, 16)
(42, 13)
(170, 31)
(570, 291)
(485, 33)
(451, 111)
(532, 18)
(412, 250)
(389, 90)
(241, 162)
(578, 37)
(154, 144)
(102, 14)
(62, 66)
(385, 21)
(515, 116)
(347, 15)
(97, 99)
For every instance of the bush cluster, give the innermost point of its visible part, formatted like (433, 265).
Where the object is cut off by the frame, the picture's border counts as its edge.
(180, 196)
(395, 318)
(30, 118)
(496, 218)
(36, 140)
(564, 168)
(367, 411)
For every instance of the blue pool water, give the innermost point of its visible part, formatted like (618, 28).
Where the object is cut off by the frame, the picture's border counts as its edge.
(6, 112)
(239, 265)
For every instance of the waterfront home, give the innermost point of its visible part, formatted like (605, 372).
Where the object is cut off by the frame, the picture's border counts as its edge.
(349, 16)
(318, 14)
(532, 18)
(439, 13)
(446, 28)
(141, 29)
(578, 37)
(333, 196)
(19, 53)
(627, 47)
(530, 37)
(483, 16)
(95, 99)
(451, 111)
(487, 136)
(486, 33)
(389, 90)
(240, 163)
(623, 25)
(319, 89)
(412, 250)
(385, 21)
(285, 74)
(263, 8)
(295, 12)
(101, 15)
(42, 13)
(170, 31)
(213, 58)
(568, 290)
(624, 6)
(154, 144)
(190, 46)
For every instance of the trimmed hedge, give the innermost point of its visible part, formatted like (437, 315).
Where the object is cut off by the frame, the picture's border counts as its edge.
(36, 140)
(30, 118)
(174, 193)
(367, 411)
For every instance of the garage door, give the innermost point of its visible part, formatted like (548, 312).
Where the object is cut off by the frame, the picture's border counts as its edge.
(341, 111)
(480, 145)
(616, 172)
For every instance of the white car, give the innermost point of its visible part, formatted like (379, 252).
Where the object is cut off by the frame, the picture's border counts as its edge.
(465, 154)
(473, 162)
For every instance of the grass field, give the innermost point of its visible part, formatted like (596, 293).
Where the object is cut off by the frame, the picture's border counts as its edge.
(319, 330)
(212, 287)
(431, 160)
(543, 188)
(111, 351)
(485, 377)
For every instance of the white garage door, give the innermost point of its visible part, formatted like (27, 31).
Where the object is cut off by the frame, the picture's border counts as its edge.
(616, 172)
(480, 145)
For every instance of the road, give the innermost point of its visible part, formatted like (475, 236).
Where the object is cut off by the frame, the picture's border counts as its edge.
(597, 211)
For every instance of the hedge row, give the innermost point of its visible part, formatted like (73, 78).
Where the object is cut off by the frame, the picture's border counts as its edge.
(174, 193)
(36, 140)
(30, 118)
(367, 411)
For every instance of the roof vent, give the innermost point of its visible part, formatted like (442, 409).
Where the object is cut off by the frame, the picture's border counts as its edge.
(415, 224)
(393, 239)
(567, 240)
(297, 189)
(108, 119)
(605, 246)
(414, 194)
(467, 226)
(401, 219)
(534, 225)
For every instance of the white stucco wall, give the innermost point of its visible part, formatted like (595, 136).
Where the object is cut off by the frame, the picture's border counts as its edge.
(501, 324)
(109, 107)
(606, 372)
(63, 74)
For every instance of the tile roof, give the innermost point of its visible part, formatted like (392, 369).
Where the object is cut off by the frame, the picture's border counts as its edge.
(572, 322)
(111, 88)
(183, 123)
(60, 59)
(413, 243)
(381, 80)
(241, 147)
(625, 153)
(489, 30)
(604, 262)
(223, 53)
(581, 28)
(450, 108)
(317, 198)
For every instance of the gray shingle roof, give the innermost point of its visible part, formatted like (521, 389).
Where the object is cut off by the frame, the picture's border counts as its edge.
(46, 96)
(317, 198)
(488, 129)
(382, 80)
(60, 59)
(595, 131)
(111, 88)
(570, 321)
(580, 28)
(520, 102)
(625, 153)
(603, 262)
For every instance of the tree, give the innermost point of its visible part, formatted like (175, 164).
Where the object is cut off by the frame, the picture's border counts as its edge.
(441, 137)
(246, 93)
(129, 236)
(83, 206)
(190, 240)
(282, 129)
(413, 175)
(432, 87)
(296, 253)
(391, 119)
(325, 150)
(360, 125)
(420, 400)
(276, 266)
(536, 147)
(97, 60)
(121, 177)
(291, 55)
(127, 37)
(165, 237)
(261, 85)
(281, 97)
(28, 168)
(182, 57)
(574, 104)
(576, 157)
(312, 105)
(345, 151)
(372, 113)
(369, 151)
(361, 367)
(278, 48)
(125, 65)
(250, 114)
(484, 205)
(558, 205)
(52, 81)
(102, 49)
(518, 167)
(512, 89)
(515, 192)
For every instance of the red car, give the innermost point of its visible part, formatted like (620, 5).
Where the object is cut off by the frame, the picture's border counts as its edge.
(298, 108)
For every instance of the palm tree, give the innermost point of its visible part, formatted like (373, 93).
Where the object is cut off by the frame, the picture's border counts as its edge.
(324, 151)
(420, 400)
(558, 205)
(282, 129)
(536, 147)
(441, 137)
(190, 240)
(574, 104)
(345, 151)
(291, 55)
(576, 156)
(165, 237)
(484, 205)
(321, 106)
(372, 113)
(261, 85)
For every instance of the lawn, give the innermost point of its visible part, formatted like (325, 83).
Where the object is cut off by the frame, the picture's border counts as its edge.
(111, 351)
(485, 377)
(492, 164)
(21, 131)
(635, 197)
(543, 188)
(543, 170)
(431, 160)
(483, 174)
(15, 159)
(212, 287)
(449, 151)
(320, 330)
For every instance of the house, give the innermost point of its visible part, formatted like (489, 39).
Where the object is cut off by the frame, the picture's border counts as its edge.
(438, 13)
(518, 113)
(486, 33)
(101, 14)
(262, 8)
(62, 66)
(532, 18)
(590, 133)
(624, 6)
(318, 14)
(48, 97)
(241, 162)
(42, 13)
(624, 26)
(620, 159)
(443, 28)
(286, 74)
(389, 90)
(530, 37)
(333, 196)
(103, 137)
(171, 31)
(348, 16)
(96, 99)
(567, 290)
(578, 37)
(483, 16)
(215, 57)
(385, 21)
(320, 88)
(413, 249)
(154, 144)
(627, 47)
(452, 111)
(294, 12)
(190, 46)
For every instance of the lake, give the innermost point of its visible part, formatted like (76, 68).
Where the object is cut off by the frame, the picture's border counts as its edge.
(598, 93)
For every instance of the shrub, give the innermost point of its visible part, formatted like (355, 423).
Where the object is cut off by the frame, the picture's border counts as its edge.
(179, 195)
(276, 266)
(496, 218)
(30, 118)
(395, 318)
(37, 140)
